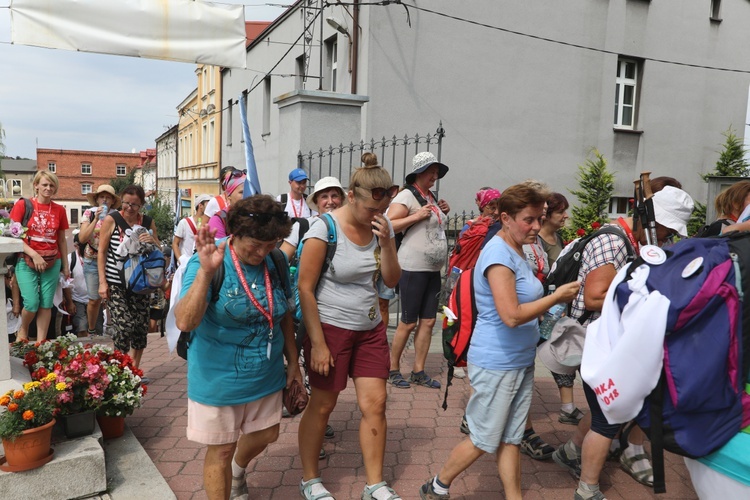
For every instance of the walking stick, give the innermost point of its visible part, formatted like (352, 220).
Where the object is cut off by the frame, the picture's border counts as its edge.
(650, 215)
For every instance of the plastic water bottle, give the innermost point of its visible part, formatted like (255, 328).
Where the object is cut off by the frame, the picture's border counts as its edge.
(551, 317)
(104, 212)
(452, 278)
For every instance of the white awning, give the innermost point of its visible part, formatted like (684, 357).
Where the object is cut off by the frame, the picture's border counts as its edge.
(176, 30)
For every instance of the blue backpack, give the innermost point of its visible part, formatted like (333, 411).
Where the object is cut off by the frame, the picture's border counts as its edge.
(699, 403)
(328, 262)
(143, 274)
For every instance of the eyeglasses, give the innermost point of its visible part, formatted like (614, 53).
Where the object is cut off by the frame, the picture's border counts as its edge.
(265, 218)
(134, 206)
(378, 193)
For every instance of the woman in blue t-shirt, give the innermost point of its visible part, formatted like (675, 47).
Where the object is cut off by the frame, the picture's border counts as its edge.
(240, 337)
(501, 354)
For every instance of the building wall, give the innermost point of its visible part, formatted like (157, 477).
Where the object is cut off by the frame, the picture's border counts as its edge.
(68, 166)
(516, 107)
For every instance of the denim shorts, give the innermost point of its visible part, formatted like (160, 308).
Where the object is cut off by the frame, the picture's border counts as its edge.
(498, 408)
(91, 275)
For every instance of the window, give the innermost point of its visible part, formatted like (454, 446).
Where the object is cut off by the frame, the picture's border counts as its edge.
(267, 105)
(73, 216)
(299, 72)
(204, 147)
(619, 206)
(715, 10)
(85, 168)
(332, 48)
(52, 167)
(15, 187)
(211, 140)
(86, 188)
(121, 170)
(625, 93)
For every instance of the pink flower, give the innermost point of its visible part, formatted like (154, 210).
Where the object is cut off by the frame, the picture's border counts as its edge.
(16, 229)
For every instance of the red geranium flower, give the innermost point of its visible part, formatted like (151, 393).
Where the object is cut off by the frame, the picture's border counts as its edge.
(595, 225)
(581, 232)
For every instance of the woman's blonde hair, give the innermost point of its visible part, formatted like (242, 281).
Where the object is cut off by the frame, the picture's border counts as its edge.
(370, 175)
(731, 201)
(50, 177)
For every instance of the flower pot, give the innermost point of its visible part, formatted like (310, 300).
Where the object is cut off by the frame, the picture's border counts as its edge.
(78, 424)
(111, 427)
(29, 450)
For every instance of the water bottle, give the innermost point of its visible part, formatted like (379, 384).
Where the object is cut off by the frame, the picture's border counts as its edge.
(452, 278)
(104, 212)
(551, 316)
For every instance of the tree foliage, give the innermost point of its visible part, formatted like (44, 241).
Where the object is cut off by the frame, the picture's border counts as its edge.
(160, 210)
(731, 160)
(596, 185)
(120, 183)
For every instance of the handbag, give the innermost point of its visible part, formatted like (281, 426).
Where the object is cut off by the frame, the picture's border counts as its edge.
(295, 398)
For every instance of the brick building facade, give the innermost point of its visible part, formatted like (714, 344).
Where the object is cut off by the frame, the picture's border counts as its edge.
(81, 172)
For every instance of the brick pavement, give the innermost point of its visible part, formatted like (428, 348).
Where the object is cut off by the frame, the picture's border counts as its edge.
(420, 437)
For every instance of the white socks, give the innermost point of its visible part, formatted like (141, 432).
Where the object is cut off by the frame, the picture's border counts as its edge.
(568, 407)
(237, 471)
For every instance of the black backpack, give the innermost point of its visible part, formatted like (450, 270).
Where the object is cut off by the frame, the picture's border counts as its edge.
(566, 267)
(713, 229)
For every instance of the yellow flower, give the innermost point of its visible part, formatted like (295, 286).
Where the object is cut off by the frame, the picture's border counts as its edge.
(51, 377)
(31, 385)
(60, 386)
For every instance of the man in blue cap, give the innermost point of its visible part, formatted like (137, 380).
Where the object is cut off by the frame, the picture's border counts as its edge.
(294, 200)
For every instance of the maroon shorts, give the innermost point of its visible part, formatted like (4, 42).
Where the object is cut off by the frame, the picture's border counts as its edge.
(355, 354)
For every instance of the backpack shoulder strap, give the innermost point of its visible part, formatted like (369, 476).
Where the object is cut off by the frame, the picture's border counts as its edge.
(29, 210)
(282, 269)
(304, 225)
(73, 261)
(418, 195)
(332, 242)
(120, 221)
(146, 222)
(216, 282)
(191, 225)
(283, 198)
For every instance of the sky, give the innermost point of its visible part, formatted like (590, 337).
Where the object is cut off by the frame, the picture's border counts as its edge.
(74, 100)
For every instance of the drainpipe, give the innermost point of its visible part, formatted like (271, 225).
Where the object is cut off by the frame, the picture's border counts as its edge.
(355, 47)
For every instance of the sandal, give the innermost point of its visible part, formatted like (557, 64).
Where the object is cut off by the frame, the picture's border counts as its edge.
(423, 379)
(645, 476)
(571, 418)
(535, 447)
(307, 494)
(397, 380)
(367, 493)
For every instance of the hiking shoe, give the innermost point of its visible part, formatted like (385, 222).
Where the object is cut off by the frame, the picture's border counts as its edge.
(571, 418)
(535, 447)
(597, 496)
(397, 380)
(572, 465)
(427, 492)
(239, 487)
(464, 427)
(329, 432)
(367, 493)
(423, 379)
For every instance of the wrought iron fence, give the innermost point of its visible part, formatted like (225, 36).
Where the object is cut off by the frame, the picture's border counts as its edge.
(394, 154)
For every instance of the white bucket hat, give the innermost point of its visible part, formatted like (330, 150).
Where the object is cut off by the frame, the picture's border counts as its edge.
(201, 198)
(672, 209)
(421, 162)
(562, 352)
(320, 186)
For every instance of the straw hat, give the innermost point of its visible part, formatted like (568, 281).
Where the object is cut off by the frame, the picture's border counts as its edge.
(104, 188)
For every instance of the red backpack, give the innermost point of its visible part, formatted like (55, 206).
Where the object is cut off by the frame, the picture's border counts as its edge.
(457, 333)
(466, 252)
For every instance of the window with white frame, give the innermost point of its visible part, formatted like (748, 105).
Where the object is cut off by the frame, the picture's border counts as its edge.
(16, 187)
(73, 219)
(619, 206)
(626, 85)
(121, 170)
(52, 166)
(85, 168)
(87, 188)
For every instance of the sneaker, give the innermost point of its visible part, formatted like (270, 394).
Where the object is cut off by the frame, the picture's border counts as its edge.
(322, 454)
(459, 372)
(329, 432)
(535, 447)
(367, 493)
(597, 496)
(427, 492)
(571, 418)
(464, 427)
(572, 465)
(239, 488)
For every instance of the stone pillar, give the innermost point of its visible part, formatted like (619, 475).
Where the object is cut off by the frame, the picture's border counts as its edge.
(8, 246)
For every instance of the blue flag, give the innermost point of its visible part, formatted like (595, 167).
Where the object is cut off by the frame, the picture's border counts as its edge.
(252, 184)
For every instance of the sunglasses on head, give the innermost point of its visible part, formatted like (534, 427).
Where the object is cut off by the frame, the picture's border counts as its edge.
(378, 193)
(265, 218)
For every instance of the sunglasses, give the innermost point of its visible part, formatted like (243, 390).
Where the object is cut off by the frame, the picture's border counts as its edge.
(265, 218)
(378, 193)
(134, 206)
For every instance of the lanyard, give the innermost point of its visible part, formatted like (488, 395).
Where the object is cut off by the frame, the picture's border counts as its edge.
(428, 196)
(268, 314)
(628, 233)
(294, 207)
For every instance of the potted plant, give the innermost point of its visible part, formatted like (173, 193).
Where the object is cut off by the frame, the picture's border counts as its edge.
(124, 393)
(26, 423)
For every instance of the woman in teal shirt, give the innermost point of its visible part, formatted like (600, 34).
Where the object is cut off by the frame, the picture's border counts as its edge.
(239, 340)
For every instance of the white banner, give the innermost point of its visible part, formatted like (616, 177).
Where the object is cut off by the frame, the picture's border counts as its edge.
(175, 30)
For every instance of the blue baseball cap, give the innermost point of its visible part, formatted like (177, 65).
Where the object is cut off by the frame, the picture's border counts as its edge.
(298, 175)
